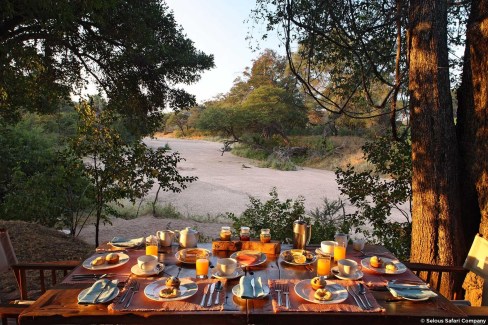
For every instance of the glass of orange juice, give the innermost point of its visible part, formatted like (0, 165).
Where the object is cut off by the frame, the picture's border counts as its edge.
(202, 268)
(339, 251)
(323, 265)
(152, 245)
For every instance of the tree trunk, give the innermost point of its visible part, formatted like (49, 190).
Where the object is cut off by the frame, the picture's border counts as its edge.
(472, 131)
(436, 234)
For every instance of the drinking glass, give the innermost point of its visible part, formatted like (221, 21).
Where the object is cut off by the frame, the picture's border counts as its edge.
(202, 268)
(339, 251)
(152, 245)
(323, 265)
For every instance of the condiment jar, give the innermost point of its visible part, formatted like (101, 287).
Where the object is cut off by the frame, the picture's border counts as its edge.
(265, 236)
(225, 233)
(245, 234)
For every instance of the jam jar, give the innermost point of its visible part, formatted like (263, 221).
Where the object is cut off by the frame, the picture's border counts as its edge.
(225, 233)
(245, 234)
(265, 236)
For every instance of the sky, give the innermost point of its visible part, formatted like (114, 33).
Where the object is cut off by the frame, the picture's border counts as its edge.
(217, 27)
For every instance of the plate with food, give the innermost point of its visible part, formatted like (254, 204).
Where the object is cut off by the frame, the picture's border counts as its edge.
(383, 265)
(331, 293)
(249, 257)
(170, 289)
(105, 261)
(298, 257)
(190, 255)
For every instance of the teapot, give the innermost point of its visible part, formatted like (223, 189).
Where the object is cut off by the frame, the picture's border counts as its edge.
(165, 237)
(187, 237)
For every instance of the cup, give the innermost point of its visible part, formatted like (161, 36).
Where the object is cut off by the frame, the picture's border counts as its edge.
(347, 267)
(339, 251)
(341, 238)
(327, 247)
(323, 265)
(358, 244)
(147, 262)
(226, 266)
(201, 268)
(165, 237)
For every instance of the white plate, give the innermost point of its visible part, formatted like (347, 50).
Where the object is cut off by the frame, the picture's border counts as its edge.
(358, 275)
(236, 291)
(262, 258)
(137, 270)
(237, 273)
(102, 297)
(400, 267)
(183, 251)
(321, 252)
(123, 258)
(295, 252)
(305, 291)
(410, 291)
(187, 289)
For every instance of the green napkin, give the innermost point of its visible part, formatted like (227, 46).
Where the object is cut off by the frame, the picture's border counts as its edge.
(93, 296)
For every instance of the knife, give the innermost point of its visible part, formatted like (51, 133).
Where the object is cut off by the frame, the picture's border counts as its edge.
(205, 291)
(212, 288)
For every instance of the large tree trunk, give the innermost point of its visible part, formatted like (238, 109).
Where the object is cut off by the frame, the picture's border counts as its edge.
(436, 232)
(472, 131)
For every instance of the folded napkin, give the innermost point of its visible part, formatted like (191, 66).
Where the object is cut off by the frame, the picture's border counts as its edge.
(128, 243)
(101, 291)
(411, 291)
(246, 284)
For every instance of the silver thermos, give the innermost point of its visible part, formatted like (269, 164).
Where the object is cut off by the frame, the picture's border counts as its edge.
(301, 234)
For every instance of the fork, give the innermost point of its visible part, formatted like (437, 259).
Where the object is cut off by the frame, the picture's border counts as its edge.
(135, 289)
(129, 287)
(278, 291)
(286, 292)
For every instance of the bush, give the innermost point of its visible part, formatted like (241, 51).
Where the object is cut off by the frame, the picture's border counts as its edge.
(329, 220)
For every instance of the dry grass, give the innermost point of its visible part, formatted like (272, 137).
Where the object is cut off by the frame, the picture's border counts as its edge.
(35, 243)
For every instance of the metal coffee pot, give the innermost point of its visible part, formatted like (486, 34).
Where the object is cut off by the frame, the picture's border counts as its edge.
(302, 232)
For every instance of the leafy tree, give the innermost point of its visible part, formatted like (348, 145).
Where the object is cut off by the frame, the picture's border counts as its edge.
(133, 51)
(120, 170)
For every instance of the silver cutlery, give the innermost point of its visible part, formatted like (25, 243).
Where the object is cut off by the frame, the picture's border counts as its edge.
(129, 287)
(278, 291)
(205, 291)
(135, 289)
(351, 292)
(286, 292)
(362, 291)
(92, 276)
(212, 289)
(356, 292)
(218, 288)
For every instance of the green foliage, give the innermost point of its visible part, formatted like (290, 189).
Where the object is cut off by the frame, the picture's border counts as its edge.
(328, 220)
(376, 197)
(273, 214)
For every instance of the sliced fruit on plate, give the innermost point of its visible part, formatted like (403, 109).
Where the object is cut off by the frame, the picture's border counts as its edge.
(246, 259)
(299, 259)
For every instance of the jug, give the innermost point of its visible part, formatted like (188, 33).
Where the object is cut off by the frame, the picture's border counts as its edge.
(341, 238)
(188, 237)
(165, 237)
(302, 232)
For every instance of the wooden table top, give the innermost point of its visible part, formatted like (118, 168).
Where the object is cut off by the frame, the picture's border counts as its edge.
(59, 305)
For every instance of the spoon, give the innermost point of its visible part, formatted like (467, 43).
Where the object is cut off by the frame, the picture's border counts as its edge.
(218, 289)
(362, 291)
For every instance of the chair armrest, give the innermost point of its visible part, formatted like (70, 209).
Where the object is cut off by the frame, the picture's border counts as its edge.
(435, 268)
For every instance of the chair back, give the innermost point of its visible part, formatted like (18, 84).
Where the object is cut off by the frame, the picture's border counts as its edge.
(7, 253)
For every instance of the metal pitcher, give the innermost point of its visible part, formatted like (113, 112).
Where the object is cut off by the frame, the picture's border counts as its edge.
(302, 232)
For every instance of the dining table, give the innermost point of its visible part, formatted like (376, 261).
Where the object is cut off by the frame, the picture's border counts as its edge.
(60, 304)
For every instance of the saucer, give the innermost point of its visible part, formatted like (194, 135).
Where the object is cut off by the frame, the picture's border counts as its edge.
(237, 273)
(356, 276)
(137, 270)
(319, 251)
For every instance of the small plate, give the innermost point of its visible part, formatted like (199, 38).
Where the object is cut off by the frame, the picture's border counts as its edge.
(305, 291)
(411, 291)
(401, 268)
(261, 259)
(236, 291)
(237, 273)
(137, 270)
(319, 251)
(103, 298)
(123, 258)
(187, 289)
(179, 255)
(358, 275)
(297, 252)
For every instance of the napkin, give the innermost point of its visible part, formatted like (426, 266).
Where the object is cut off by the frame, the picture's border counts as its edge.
(246, 287)
(411, 291)
(128, 243)
(90, 296)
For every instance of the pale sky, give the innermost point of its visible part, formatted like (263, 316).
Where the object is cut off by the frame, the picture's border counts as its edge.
(217, 27)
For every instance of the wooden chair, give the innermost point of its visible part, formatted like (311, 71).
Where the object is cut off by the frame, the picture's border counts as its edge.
(8, 261)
